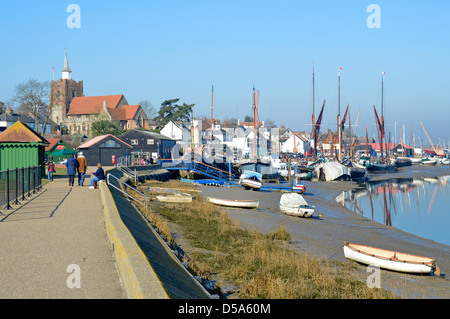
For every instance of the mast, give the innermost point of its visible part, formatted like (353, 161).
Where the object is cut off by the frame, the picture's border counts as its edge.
(254, 124)
(212, 120)
(314, 119)
(339, 115)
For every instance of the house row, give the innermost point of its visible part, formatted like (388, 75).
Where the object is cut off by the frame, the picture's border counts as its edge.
(237, 137)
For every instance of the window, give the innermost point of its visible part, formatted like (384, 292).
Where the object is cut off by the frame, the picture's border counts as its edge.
(150, 141)
(134, 142)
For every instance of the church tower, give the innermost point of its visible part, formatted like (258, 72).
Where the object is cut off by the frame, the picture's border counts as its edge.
(63, 92)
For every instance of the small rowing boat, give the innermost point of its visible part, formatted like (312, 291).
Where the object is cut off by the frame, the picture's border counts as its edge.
(175, 198)
(234, 202)
(391, 260)
(294, 204)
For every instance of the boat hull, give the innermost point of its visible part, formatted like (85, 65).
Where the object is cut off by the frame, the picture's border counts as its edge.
(305, 211)
(251, 184)
(387, 259)
(175, 198)
(234, 203)
(381, 168)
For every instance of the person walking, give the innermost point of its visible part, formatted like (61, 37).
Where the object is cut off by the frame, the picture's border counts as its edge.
(71, 165)
(98, 175)
(82, 166)
(50, 170)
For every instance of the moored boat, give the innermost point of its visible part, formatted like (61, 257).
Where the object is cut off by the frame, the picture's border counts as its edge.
(175, 198)
(294, 204)
(390, 260)
(381, 168)
(234, 202)
(428, 161)
(251, 180)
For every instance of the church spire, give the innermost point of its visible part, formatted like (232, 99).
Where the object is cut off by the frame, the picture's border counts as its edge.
(66, 71)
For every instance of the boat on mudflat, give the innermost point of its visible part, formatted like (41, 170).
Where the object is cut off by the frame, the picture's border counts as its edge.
(238, 203)
(294, 204)
(381, 168)
(390, 260)
(175, 198)
(251, 180)
(428, 161)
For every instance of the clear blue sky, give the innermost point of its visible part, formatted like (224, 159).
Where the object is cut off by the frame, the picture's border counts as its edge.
(157, 50)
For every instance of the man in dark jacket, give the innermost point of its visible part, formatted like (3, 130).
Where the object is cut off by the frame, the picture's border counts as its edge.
(72, 165)
(98, 175)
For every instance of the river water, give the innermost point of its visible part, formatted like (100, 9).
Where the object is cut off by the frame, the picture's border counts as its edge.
(420, 206)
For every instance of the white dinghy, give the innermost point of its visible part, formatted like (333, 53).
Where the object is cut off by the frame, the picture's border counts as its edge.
(391, 260)
(294, 204)
(234, 202)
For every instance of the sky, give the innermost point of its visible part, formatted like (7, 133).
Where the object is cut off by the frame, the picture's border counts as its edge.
(159, 50)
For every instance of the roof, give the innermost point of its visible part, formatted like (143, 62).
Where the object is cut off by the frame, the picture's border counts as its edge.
(19, 132)
(126, 112)
(98, 139)
(93, 104)
(150, 133)
(52, 144)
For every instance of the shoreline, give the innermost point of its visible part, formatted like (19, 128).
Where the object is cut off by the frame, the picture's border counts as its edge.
(323, 237)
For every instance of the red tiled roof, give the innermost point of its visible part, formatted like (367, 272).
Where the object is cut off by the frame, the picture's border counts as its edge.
(130, 111)
(52, 142)
(19, 132)
(93, 104)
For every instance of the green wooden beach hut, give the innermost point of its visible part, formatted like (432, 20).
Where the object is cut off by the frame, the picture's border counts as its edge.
(21, 146)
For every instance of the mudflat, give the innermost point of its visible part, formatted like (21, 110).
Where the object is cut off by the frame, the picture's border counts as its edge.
(324, 236)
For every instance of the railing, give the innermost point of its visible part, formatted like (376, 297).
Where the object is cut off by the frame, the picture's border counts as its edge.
(18, 184)
(119, 185)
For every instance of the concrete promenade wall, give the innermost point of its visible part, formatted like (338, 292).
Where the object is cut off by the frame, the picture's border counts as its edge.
(139, 279)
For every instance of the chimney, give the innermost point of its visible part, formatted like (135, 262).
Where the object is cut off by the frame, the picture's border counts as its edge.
(8, 111)
(104, 104)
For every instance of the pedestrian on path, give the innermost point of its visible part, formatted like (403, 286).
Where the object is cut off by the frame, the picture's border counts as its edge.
(50, 170)
(98, 175)
(72, 165)
(82, 166)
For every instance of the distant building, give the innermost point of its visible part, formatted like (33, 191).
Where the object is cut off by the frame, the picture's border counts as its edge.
(77, 112)
(9, 118)
(104, 149)
(151, 144)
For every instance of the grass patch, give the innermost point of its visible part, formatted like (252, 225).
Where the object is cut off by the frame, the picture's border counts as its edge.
(262, 266)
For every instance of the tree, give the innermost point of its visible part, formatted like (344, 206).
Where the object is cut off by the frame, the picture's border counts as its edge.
(34, 98)
(103, 127)
(148, 108)
(170, 111)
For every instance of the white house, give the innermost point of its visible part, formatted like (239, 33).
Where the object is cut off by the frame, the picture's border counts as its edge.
(297, 143)
(177, 131)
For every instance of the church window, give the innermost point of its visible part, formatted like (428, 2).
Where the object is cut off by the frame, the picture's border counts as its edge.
(74, 93)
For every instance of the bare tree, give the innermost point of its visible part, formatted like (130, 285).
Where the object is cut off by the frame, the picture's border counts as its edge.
(148, 108)
(34, 98)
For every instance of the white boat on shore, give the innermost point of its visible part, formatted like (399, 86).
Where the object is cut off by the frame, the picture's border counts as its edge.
(238, 203)
(293, 204)
(391, 260)
(251, 183)
(175, 198)
(251, 180)
(429, 161)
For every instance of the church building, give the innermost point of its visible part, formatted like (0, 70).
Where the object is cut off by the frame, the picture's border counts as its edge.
(77, 112)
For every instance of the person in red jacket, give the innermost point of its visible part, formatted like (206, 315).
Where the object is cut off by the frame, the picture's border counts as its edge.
(51, 169)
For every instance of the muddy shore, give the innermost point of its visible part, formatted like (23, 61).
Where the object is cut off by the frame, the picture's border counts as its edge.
(324, 236)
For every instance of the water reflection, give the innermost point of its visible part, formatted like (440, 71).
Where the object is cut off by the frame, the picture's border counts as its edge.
(416, 205)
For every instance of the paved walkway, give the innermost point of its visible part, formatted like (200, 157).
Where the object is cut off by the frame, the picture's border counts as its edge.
(52, 237)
